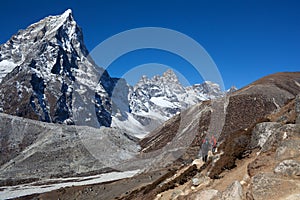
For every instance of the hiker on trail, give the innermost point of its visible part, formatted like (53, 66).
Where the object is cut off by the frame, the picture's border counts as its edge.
(213, 142)
(204, 149)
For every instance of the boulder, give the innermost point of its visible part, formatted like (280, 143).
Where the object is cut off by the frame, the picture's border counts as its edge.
(288, 168)
(288, 149)
(293, 197)
(200, 181)
(281, 135)
(233, 192)
(198, 163)
(264, 134)
(205, 194)
(196, 181)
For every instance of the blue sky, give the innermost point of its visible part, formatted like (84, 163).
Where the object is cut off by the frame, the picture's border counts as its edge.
(247, 39)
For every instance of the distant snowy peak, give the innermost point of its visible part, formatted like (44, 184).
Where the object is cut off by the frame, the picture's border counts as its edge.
(209, 89)
(154, 100)
(46, 74)
(169, 88)
(170, 77)
(232, 89)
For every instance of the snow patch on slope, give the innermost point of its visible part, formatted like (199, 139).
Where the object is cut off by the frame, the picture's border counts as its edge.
(6, 66)
(131, 125)
(162, 102)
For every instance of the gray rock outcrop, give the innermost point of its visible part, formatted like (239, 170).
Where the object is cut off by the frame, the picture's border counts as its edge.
(288, 149)
(196, 181)
(233, 192)
(205, 194)
(288, 168)
(263, 135)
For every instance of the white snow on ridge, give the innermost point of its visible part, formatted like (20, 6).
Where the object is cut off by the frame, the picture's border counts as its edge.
(130, 125)
(9, 192)
(6, 67)
(58, 21)
(160, 101)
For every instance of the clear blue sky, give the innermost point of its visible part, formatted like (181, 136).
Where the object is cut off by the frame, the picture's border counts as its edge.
(247, 39)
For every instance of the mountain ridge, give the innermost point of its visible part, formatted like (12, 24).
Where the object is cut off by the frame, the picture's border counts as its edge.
(154, 100)
(46, 74)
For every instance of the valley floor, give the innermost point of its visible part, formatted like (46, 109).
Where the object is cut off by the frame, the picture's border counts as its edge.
(47, 185)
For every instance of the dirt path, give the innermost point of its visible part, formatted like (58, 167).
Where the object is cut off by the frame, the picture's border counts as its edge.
(236, 174)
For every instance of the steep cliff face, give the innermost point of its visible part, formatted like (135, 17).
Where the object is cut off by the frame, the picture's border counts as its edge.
(47, 75)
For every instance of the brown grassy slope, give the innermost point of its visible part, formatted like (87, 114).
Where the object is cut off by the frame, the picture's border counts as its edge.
(246, 108)
(249, 106)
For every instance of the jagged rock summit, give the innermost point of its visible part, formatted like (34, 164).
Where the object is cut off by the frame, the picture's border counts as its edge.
(167, 92)
(154, 100)
(46, 74)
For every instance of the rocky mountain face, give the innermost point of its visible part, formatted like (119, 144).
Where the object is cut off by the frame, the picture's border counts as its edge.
(166, 93)
(165, 96)
(152, 101)
(47, 75)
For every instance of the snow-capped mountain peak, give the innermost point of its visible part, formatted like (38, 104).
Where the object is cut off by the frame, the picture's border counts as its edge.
(170, 76)
(49, 76)
(154, 100)
(60, 30)
(52, 23)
